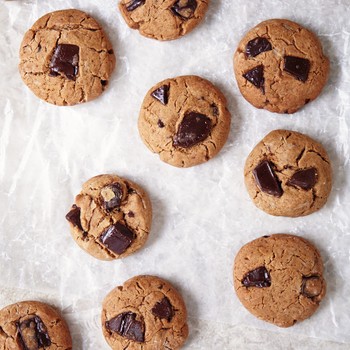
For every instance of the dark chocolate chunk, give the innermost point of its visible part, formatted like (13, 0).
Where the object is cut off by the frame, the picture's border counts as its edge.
(305, 179)
(127, 326)
(214, 109)
(134, 4)
(160, 123)
(112, 196)
(312, 286)
(259, 277)
(163, 309)
(257, 46)
(117, 238)
(33, 334)
(256, 77)
(74, 217)
(298, 67)
(65, 60)
(161, 94)
(131, 214)
(194, 128)
(266, 179)
(184, 8)
(104, 82)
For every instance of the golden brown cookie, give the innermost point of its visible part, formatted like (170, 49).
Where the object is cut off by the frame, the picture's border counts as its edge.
(32, 325)
(145, 313)
(288, 174)
(66, 58)
(280, 66)
(279, 278)
(111, 217)
(163, 19)
(185, 120)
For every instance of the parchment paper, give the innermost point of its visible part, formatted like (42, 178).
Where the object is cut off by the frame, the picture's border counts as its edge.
(202, 215)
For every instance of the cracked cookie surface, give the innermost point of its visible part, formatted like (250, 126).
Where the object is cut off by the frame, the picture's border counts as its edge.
(66, 58)
(145, 313)
(163, 19)
(185, 120)
(111, 217)
(279, 278)
(280, 66)
(288, 174)
(33, 325)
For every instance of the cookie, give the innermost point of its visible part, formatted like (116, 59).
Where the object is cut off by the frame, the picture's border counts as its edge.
(32, 325)
(288, 174)
(111, 217)
(280, 66)
(66, 58)
(145, 313)
(163, 19)
(185, 120)
(278, 278)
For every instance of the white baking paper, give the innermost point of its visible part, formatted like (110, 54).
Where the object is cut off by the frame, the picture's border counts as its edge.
(202, 215)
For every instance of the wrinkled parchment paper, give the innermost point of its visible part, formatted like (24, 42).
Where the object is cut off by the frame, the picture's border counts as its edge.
(202, 215)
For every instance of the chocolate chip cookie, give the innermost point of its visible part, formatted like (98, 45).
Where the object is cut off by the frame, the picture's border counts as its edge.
(185, 120)
(288, 174)
(163, 19)
(279, 278)
(145, 313)
(111, 217)
(66, 58)
(280, 66)
(32, 325)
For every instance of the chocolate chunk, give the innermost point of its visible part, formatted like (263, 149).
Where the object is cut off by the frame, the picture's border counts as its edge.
(74, 217)
(131, 214)
(33, 334)
(257, 46)
(134, 4)
(214, 109)
(127, 326)
(161, 94)
(305, 179)
(65, 60)
(194, 128)
(160, 123)
(312, 286)
(112, 196)
(184, 8)
(256, 77)
(117, 238)
(298, 67)
(266, 179)
(163, 309)
(259, 277)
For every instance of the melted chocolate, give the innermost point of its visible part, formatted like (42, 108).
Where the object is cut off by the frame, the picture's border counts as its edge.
(134, 4)
(305, 179)
(259, 277)
(312, 286)
(298, 67)
(65, 60)
(163, 309)
(257, 46)
(184, 8)
(114, 201)
(266, 179)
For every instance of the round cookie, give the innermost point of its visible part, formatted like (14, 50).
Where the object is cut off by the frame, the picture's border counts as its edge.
(163, 19)
(280, 66)
(185, 120)
(279, 279)
(111, 217)
(66, 58)
(288, 174)
(145, 313)
(33, 325)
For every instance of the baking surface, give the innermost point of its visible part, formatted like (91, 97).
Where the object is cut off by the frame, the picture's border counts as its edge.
(202, 215)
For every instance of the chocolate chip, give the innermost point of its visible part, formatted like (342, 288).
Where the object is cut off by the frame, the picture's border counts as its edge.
(112, 196)
(74, 217)
(131, 214)
(161, 94)
(33, 334)
(134, 4)
(266, 179)
(259, 277)
(298, 67)
(194, 128)
(214, 109)
(65, 60)
(117, 238)
(312, 286)
(104, 82)
(257, 46)
(184, 8)
(160, 123)
(256, 77)
(127, 326)
(163, 309)
(305, 179)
